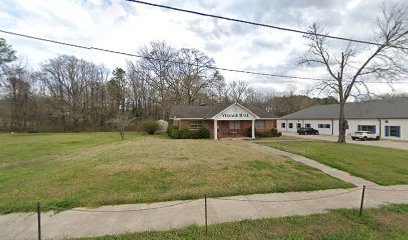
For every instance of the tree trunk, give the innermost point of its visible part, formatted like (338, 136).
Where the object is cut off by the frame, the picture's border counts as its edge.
(122, 135)
(342, 127)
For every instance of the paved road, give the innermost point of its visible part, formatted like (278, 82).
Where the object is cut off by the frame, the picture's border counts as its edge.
(381, 143)
(167, 215)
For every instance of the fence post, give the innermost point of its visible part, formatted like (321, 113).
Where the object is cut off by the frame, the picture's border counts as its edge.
(39, 219)
(206, 223)
(362, 201)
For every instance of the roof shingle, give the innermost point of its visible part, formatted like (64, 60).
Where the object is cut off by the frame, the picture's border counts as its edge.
(208, 111)
(396, 108)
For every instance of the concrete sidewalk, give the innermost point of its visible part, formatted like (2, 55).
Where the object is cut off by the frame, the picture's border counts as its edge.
(125, 218)
(118, 219)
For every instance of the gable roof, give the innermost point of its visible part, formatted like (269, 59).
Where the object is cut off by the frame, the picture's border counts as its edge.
(209, 111)
(231, 106)
(390, 108)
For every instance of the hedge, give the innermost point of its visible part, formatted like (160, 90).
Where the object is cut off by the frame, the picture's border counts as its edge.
(184, 133)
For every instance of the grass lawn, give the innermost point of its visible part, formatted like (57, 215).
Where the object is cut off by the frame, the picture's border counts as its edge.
(388, 222)
(383, 166)
(95, 169)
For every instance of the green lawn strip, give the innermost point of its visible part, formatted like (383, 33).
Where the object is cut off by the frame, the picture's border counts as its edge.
(150, 169)
(388, 222)
(384, 166)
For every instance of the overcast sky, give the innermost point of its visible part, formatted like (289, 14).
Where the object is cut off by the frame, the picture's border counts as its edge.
(125, 26)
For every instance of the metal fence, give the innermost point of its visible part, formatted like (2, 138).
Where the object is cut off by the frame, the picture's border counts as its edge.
(361, 203)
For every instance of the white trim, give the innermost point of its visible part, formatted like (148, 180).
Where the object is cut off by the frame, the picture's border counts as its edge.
(215, 130)
(253, 129)
(216, 116)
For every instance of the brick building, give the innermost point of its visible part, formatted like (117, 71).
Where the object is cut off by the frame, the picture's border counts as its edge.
(233, 120)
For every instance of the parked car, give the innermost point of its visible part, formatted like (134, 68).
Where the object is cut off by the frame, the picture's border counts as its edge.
(307, 130)
(365, 135)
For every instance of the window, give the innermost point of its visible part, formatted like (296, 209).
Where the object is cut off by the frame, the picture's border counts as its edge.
(196, 125)
(290, 125)
(369, 128)
(307, 125)
(234, 125)
(260, 124)
(323, 125)
(283, 125)
(298, 125)
(392, 131)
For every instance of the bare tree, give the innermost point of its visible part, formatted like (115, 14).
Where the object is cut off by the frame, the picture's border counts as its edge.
(349, 70)
(68, 81)
(238, 90)
(167, 76)
(16, 86)
(121, 122)
(156, 69)
(195, 76)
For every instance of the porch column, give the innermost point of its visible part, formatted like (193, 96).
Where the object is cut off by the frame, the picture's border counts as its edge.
(215, 130)
(253, 129)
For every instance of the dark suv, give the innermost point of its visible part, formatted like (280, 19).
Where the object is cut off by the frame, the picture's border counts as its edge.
(307, 130)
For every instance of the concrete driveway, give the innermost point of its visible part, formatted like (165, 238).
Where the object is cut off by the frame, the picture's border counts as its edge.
(381, 143)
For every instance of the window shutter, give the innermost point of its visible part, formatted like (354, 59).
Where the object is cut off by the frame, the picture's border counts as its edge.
(387, 131)
(374, 129)
(398, 128)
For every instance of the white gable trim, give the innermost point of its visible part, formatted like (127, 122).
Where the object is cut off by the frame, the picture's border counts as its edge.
(251, 115)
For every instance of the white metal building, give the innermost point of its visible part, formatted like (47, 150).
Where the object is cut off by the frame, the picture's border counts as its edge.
(387, 118)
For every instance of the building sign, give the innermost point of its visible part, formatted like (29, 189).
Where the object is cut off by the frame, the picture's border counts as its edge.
(235, 115)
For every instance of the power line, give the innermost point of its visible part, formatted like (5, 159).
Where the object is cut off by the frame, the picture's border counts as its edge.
(156, 59)
(256, 24)
(171, 61)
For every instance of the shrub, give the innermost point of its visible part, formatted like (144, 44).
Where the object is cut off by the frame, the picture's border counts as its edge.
(184, 133)
(195, 134)
(150, 126)
(173, 132)
(170, 128)
(276, 133)
(262, 134)
(273, 133)
(204, 133)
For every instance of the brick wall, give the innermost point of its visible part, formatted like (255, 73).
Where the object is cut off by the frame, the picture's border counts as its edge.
(269, 124)
(224, 130)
